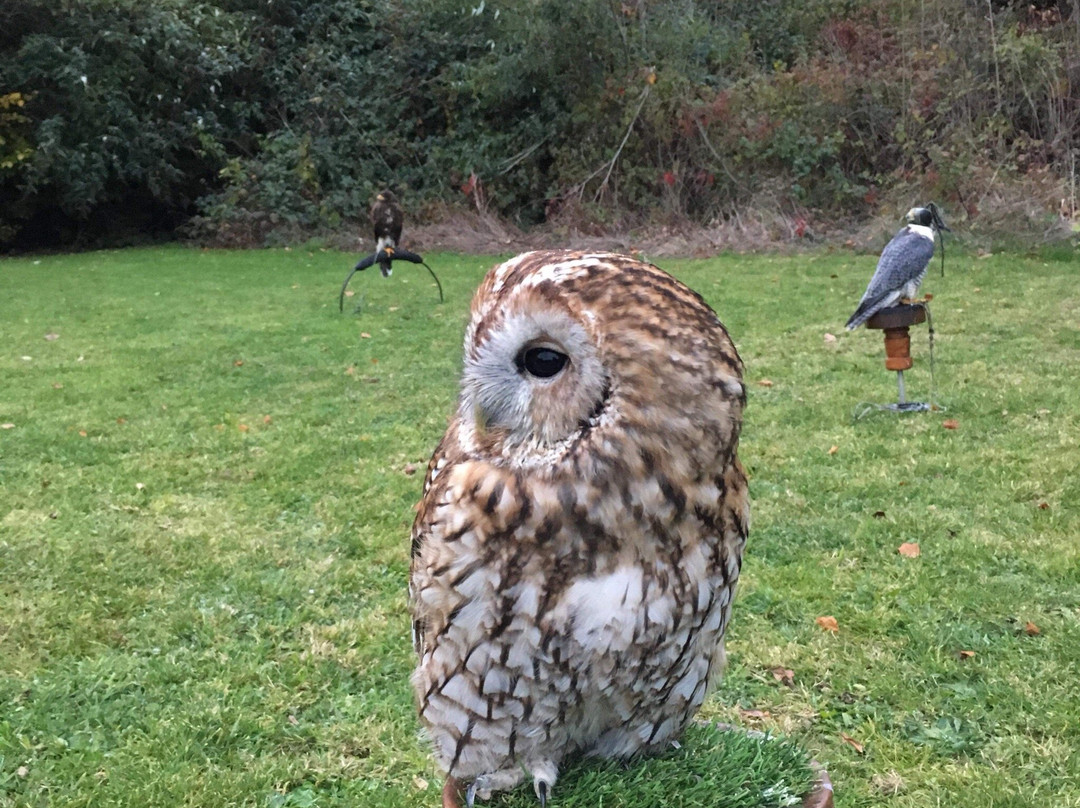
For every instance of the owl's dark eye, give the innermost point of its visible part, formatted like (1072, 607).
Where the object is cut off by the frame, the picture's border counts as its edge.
(541, 362)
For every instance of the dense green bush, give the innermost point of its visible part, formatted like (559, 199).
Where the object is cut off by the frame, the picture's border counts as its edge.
(243, 118)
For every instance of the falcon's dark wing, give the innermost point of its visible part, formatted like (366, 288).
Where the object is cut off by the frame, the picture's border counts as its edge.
(904, 259)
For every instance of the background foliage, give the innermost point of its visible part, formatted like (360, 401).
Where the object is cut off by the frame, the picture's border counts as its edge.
(258, 117)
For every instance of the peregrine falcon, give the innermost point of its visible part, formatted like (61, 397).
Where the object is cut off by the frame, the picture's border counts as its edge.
(902, 265)
(386, 217)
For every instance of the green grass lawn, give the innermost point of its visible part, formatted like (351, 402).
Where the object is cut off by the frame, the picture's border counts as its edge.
(206, 489)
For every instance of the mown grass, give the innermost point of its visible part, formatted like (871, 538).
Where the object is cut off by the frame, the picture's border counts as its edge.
(205, 498)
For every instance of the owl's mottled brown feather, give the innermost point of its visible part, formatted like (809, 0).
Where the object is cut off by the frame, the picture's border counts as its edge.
(578, 543)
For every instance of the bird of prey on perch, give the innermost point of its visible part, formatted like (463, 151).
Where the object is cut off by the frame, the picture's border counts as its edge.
(386, 218)
(902, 265)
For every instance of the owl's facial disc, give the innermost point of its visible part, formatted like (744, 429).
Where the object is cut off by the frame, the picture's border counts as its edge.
(536, 379)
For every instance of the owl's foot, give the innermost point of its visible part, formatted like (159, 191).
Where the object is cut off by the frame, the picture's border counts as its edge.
(482, 787)
(541, 791)
(544, 773)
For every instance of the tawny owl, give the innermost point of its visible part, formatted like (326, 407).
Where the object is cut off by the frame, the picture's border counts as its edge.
(580, 535)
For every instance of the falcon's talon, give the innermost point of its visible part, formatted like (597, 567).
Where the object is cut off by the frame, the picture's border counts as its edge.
(541, 792)
(470, 795)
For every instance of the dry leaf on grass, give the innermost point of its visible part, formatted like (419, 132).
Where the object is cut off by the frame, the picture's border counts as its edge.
(830, 339)
(834, 449)
(909, 549)
(765, 382)
(243, 427)
(784, 675)
(950, 423)
(967, 654)
(365, 335)
(858, 747)
(1044, 506)
(52, 336)
(267, 419)
(410, 468)
(755, 715)
(7, 426)
(1031, 629)
(828, 623)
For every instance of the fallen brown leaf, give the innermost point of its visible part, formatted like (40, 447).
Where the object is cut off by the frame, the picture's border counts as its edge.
(410, 468)
(928, 297)
(1043, 506)
(784, 675)
(57, 386)
(950, 423)
(755, 715)
(909, 549)
(828, 623)
(834, 449)
(1031, 629)
(243, 427)
(121, 421)
(238, 363)
(348, 292)
(350, 370)
(82, 433)
(52, 336)
(858, 747)
(765, 382)
(365, 335)
(967, 654)
(830, 338)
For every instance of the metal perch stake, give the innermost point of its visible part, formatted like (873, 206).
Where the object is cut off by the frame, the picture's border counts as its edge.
(392, 255)
(895, 322)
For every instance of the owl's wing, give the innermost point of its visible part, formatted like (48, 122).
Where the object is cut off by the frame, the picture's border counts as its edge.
(422, 528)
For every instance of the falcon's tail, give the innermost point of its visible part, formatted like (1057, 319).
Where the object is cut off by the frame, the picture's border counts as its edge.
(861, 315)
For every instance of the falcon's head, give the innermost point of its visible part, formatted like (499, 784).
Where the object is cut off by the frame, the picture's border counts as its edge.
(929, 216)
(920, 216)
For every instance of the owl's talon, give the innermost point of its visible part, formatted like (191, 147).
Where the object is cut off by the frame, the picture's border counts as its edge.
(541, 792)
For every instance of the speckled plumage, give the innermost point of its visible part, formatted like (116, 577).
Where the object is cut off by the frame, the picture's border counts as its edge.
(387, 218)
(576, 550)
